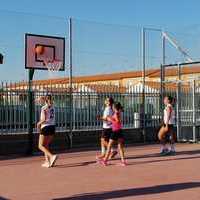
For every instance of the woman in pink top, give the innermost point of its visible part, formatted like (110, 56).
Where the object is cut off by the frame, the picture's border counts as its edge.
(116, 135)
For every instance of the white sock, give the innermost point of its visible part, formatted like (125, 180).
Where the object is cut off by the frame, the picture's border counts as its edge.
(172, 147)
(163, 147)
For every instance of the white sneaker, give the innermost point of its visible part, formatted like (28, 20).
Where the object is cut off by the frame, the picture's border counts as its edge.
(53, 160)
(46, 164)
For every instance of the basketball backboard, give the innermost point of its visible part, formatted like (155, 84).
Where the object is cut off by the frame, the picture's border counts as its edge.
(54, 50)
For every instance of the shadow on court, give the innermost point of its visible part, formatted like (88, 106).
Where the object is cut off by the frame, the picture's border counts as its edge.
(154, 155)
(81, 164)
(134, 192)
(164, 159)
(34, 159)
(2, 198)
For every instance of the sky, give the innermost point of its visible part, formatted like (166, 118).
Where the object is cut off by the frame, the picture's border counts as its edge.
(106, 32)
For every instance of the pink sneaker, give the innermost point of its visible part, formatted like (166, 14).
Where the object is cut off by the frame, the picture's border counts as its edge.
(103, 162)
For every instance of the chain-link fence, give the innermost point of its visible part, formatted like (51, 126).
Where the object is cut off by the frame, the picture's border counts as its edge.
(125, 62)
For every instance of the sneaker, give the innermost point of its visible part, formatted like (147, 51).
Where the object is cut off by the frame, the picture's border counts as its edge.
(172, 152)
(103, 162)
(53, 160)
(123, 163)
(113, 154)
(164, 152)
(46, 164)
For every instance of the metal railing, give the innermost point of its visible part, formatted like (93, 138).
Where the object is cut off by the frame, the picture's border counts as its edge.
(88, 103)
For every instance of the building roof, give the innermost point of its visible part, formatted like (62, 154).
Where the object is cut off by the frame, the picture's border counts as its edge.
(173, 71)
(151, 73)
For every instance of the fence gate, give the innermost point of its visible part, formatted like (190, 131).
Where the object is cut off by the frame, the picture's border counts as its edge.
(187, 95)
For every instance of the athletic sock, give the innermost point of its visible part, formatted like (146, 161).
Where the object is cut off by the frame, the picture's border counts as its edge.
(163, 147)
(173, 147)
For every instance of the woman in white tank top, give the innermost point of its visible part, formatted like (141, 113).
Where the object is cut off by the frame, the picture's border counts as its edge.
(107, 128)
(46, 127)
(167, 127)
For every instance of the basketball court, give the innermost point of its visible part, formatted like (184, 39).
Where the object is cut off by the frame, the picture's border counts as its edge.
(77, 176)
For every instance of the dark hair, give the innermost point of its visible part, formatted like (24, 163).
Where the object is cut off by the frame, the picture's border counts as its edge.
(174, 100)
(118, 106)
(48, 98)
(111, 100)
(170, 99)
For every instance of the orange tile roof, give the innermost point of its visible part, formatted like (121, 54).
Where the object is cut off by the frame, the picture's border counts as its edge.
(173, 71)
(151, 73)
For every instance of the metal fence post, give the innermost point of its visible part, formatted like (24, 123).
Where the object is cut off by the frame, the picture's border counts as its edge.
(178, 103)
(162, 72)
(194, 111)
(30, 112)
(143, 76)
(70, 83)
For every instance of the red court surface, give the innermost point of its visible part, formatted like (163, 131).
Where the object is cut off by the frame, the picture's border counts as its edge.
(76, 176)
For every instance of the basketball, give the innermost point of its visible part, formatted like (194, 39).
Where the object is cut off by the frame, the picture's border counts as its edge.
(39, 50)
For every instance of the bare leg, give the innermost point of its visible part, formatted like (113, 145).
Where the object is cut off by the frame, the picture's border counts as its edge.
(110, 144)
(47, 143)
(121, 149)
(41, 146)
(104, 145)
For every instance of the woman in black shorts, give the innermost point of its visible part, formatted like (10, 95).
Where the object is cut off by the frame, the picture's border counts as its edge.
(46, 126)
(116, 135)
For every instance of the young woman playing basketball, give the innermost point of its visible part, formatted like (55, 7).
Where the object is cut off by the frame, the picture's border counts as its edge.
(46, 125)
(116, 135)
(167, 128)
(107, 128)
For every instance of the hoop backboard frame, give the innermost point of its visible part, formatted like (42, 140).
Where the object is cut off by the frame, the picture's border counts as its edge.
(54, 44)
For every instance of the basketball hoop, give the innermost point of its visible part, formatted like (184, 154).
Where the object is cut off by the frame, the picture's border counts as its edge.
(53, 66)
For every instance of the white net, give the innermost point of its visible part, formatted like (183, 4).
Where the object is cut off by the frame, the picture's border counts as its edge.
(53, 67)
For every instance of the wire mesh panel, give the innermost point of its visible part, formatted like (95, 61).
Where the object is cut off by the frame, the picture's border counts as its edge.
(104, 48)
